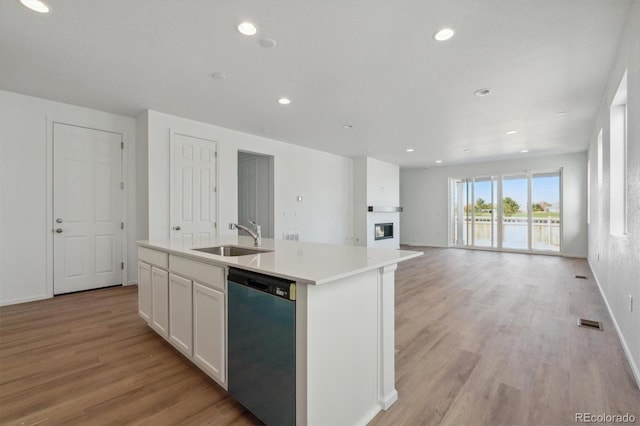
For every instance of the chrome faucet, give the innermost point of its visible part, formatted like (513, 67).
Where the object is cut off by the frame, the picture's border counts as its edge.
(257, 236)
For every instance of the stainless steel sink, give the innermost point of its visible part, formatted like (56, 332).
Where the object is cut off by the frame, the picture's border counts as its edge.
(231, 250)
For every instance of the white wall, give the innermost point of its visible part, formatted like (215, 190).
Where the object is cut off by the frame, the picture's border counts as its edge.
(360, 222)
(25, 190)
(322, 179)
(376, 183)
(615, 260)
(424, 194)
(142, 177)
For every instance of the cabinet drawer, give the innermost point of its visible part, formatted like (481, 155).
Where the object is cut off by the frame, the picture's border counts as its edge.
(202, 272)
(154, 257)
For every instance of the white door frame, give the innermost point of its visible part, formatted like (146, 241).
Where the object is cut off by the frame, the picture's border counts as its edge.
(172, 133)
(126, 139)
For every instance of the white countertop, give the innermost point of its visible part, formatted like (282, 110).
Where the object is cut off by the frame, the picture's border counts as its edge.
(311, 263)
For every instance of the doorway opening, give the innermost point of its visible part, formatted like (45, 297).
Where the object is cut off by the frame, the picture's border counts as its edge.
(255, 191)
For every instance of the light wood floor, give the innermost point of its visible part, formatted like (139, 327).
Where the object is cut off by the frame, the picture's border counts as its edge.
(481, 338)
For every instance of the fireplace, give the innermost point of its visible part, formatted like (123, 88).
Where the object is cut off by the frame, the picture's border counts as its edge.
(383, 231)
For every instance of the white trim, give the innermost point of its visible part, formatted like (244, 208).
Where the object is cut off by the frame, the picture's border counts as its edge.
(574, 256)
(24, 299)
(364, 420)
(49, 217)
(389, 400)
(172, 196)
(625, 347)
(417, 244)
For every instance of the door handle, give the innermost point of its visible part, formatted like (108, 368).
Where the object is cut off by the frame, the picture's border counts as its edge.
(59, 220)
(59, 230)
(176, 228)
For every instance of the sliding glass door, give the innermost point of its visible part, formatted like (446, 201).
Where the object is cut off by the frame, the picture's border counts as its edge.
(519, 212)
(474, 214)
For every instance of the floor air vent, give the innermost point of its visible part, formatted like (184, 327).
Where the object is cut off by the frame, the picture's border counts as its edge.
(596, 325)
(581, 277)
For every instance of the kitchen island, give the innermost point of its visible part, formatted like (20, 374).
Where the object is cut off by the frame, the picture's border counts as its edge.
(344, 316)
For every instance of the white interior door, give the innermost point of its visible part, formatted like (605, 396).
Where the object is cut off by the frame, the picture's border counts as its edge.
(247, 192)
(193, 187)
(87, 243)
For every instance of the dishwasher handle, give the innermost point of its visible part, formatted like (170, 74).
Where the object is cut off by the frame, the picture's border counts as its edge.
(258, 285)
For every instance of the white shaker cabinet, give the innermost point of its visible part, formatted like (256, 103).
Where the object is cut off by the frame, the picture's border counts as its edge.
(160, 301)
(144, 291)
(209, 331)
(180, 313)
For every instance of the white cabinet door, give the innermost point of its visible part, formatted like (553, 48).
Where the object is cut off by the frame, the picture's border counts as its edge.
(160, 301)
(180, 313)
(144, 291)
(209, 348)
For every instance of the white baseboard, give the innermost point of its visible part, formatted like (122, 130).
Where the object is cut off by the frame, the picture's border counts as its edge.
(625, 347)
(414, 244)
(389, 400)
(574, 256)
(23, 300)
(364, 421)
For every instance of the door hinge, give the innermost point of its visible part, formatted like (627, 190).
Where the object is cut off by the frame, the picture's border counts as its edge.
(215, 154)
(121, 185)
(121, 225)
(122, 265)
(215, 225)
(215, 189)
(121, 145)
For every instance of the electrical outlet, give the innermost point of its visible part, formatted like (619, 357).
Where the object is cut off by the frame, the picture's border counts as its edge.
(630, 303)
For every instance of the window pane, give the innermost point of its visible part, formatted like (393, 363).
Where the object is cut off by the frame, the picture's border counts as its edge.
(485, 212)
(515, 220)
(545, 214)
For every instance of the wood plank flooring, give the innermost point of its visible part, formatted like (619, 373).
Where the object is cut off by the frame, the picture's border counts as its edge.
(491, 338)
(481, 338)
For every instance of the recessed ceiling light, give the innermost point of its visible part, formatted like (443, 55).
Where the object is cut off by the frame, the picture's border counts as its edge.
(410, 149)
(444, 34)
(482, 92)
(438, 161)
(511, 132)
(524, 151)
(247, 28)
(36, 5)
(267, 43)
(284, 101)
(561, 113)
(348, 126)
(218, 76)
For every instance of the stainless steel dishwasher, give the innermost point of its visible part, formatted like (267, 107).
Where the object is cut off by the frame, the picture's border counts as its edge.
(262, 345)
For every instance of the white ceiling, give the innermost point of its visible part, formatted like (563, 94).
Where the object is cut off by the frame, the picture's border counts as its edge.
(369, 63)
